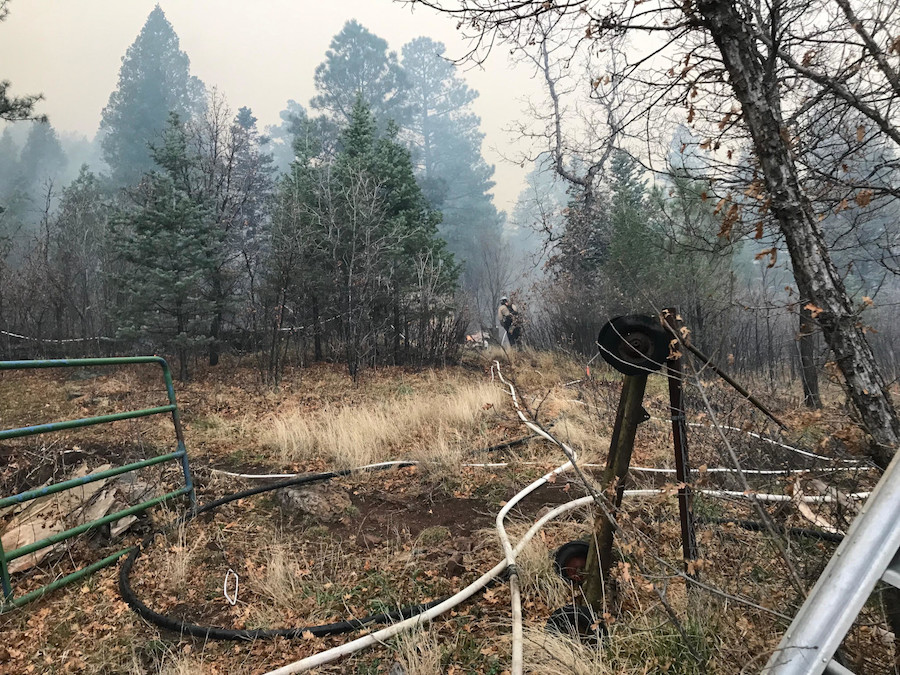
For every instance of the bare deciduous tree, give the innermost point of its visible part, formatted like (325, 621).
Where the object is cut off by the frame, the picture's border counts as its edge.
(729, 64)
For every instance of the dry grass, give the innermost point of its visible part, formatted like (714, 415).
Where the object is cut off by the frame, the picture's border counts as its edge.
(172, 662)
(300, 576)
(282, 579)
(645, 644)
(286, 579)
(355, 436)
(182, 666)
(179, 563)
(419, 653)
(585, 432)
(539, 577)
(558, 655)
(540, 370)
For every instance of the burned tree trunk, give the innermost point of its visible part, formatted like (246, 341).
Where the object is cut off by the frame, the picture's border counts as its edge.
(808, 374)
(752, 76)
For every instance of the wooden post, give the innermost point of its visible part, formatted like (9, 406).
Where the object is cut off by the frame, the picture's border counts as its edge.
(679, 438)
(630, 413)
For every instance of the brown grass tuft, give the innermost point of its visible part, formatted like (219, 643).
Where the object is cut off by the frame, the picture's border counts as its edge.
(356, 436)
(179, 562)
(558, 655)
(419, 653)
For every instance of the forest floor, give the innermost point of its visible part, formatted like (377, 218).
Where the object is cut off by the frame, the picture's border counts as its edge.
(379, 540)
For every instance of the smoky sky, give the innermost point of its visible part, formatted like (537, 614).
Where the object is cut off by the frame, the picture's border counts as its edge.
(258, 53)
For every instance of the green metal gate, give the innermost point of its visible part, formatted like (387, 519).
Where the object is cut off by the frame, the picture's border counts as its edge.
(8, 601)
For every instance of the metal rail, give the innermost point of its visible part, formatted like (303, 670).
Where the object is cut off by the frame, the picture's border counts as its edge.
(861, 560)
(7, 601)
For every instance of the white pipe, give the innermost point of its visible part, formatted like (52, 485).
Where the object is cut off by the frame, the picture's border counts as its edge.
(766, 439)
(759, 472)
(378, 637)
(257, 476)
(734, 494)
(809, 499)
(643, 469)
(517, 665)
(724, 494)
(261, 476)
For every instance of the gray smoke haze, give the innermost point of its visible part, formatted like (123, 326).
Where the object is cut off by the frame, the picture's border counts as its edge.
(259, 54)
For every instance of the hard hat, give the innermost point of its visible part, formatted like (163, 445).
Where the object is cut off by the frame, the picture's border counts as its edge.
(504, 299)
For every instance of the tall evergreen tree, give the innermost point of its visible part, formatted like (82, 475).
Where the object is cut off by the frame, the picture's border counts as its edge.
(9, 161)
(231, 175)
(297, 126)
(293, 117)
(358, 64)
(78, 258)
(435, 94)
(154, 80)
(42, 160)
(166, 246)
(447, 142)
(391, 266)
(632, 232)
(296, 263)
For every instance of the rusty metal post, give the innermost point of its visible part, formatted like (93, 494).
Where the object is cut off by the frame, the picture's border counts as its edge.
(679, 436)
(707, 363)
(629, 414)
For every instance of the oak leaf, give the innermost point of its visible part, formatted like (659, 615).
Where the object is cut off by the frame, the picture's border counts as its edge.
(813, 309)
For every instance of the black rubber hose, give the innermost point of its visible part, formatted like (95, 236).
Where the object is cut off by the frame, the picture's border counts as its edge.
(215, 633)
(514, 442)
(755, 526)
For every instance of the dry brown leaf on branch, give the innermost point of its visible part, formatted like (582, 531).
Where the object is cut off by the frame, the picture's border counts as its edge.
(773, 256)
(813, 310)
(863, 198)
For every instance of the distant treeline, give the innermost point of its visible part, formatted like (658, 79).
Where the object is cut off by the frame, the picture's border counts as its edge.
(355, 234)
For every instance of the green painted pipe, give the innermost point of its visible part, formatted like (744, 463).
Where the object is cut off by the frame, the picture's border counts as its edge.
(90, 478)
(75, 531)
(5, 581)
(87, 363)
(12, 603)
(180, 453)
(84, 422)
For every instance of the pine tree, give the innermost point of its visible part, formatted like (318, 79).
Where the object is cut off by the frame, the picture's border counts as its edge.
(358, 64)
(293, 118)
(41, 161)
(9, 161)
(79, 257)
(632, 250)
(447, 141)
(233, 177)
(296, 264)
(154, 80)
(389, 243)
(165, 247)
